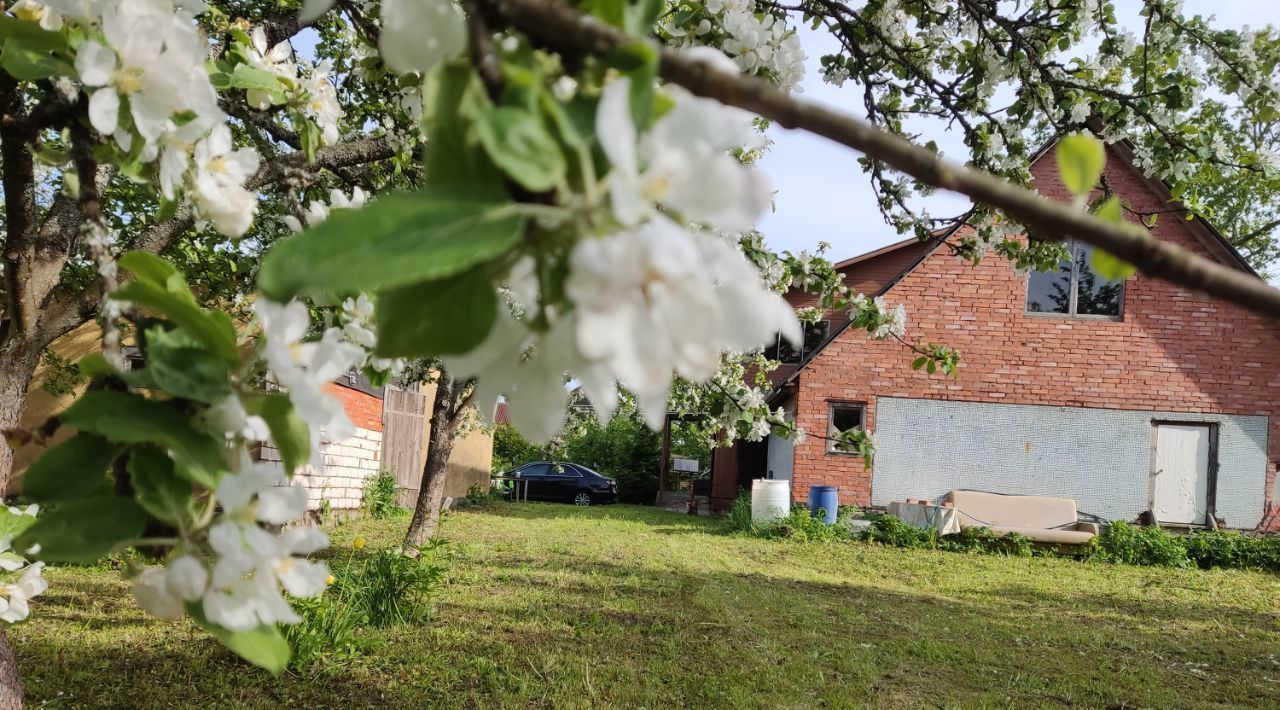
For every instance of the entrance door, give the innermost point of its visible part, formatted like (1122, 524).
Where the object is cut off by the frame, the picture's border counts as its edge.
(403, 412)
(1180, 474)
(781, 457)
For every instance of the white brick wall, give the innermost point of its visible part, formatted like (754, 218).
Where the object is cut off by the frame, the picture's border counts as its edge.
(348, 465)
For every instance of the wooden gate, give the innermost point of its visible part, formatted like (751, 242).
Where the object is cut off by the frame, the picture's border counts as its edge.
(403, 412)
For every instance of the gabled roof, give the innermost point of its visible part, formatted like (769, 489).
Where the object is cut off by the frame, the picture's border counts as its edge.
(1206, 233)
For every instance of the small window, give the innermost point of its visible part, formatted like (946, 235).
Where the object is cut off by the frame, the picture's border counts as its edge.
(1074, 288)
(569, 471)
(782, 350)
(815, 334)
(841, 418)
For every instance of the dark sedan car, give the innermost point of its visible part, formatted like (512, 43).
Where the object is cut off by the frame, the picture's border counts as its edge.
(566, 483)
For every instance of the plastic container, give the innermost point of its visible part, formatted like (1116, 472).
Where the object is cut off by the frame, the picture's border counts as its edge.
(770, 500)
(824, 501)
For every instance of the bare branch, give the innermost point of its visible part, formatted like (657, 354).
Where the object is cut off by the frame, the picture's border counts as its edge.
(555, 25)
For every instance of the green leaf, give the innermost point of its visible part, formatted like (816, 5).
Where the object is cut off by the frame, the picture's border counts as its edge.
(640, 16)
(919, 362)
(84, 530)
(291, 435)
(26, 64)
(157, 486)
(441, 317)
(452, 98)
(131, 419)
(1105, 264)
(1111, 267)
(264, 646)
(13, 559)
(76, 468)
(160, 287)
(519, 144)
(248, 78)
(1110, 209)
(12, 524)
(145, 265)
(180, 368)
(639, 61)
(396, 241)
(31, 35)
(1081, 159)
(95, 366)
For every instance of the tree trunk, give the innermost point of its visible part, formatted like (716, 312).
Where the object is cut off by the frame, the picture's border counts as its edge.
(16, 370)
(11, 694)
(426, 514)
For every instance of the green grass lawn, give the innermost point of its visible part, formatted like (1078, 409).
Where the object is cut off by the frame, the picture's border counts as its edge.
(556, 606)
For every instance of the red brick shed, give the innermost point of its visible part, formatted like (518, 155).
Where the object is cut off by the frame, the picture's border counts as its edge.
(1128, 397)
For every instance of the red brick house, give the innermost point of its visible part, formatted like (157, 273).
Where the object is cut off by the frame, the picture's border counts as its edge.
(1129, 397)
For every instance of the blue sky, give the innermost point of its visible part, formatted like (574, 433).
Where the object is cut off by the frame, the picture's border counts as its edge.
(822, 193)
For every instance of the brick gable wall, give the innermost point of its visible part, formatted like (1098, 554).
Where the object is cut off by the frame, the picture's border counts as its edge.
(1172, 351)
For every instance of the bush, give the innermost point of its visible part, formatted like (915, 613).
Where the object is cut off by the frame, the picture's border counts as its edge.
(379, 499)
(1133, 545)
(624, 449)
(389, 587)
(1120, 542)
(987, 541)
(385, 589)
(798, 525)
(891, 530)
(327, 633)
(1205, 549)
(1223, 548)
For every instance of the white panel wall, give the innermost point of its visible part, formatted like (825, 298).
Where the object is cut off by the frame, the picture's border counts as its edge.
(1100, 457)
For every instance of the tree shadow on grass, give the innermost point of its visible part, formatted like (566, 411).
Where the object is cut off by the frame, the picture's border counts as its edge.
(623, 513)
(584, 631)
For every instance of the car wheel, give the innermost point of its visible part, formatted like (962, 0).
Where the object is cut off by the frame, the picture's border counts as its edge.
(583, 498)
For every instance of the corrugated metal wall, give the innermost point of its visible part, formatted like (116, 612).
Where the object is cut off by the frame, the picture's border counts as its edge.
(1100, 457)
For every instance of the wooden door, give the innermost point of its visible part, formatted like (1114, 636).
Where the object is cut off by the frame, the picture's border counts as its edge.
(403, 412)
(1180, 491)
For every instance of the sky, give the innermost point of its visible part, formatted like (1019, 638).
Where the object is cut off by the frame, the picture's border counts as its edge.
(823, 195)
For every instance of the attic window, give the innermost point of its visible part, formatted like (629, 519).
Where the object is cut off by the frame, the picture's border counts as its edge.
(1075, 289)
(815, 334)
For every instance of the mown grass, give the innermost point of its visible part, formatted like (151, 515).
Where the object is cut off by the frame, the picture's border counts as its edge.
(555, 606)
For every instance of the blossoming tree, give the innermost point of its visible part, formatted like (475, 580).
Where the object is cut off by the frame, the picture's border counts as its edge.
(561, 192)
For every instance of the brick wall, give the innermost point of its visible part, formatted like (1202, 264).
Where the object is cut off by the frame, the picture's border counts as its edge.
(1173, 350)
(364, 409)
(348, 464)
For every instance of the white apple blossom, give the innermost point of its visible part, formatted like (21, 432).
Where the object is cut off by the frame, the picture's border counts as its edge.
(419, 34)
(229, 418)
(683, 163)
(154, 58)
(304, 369)
(162, 591)
(221, 172)
(655, 299)
(42, 13)
(14, 596)
(761, 45)
(252, 563)
(277, 60)
(322, 102)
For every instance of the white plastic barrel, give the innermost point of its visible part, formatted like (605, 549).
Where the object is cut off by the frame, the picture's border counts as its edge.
(770, 500)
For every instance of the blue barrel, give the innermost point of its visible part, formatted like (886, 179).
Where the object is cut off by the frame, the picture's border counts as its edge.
(825, 499)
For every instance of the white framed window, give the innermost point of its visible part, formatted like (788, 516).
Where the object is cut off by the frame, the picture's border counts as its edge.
(843, 417)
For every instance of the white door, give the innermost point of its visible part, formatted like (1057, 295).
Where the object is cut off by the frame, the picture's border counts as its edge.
(781, 457)
(1180, 476)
